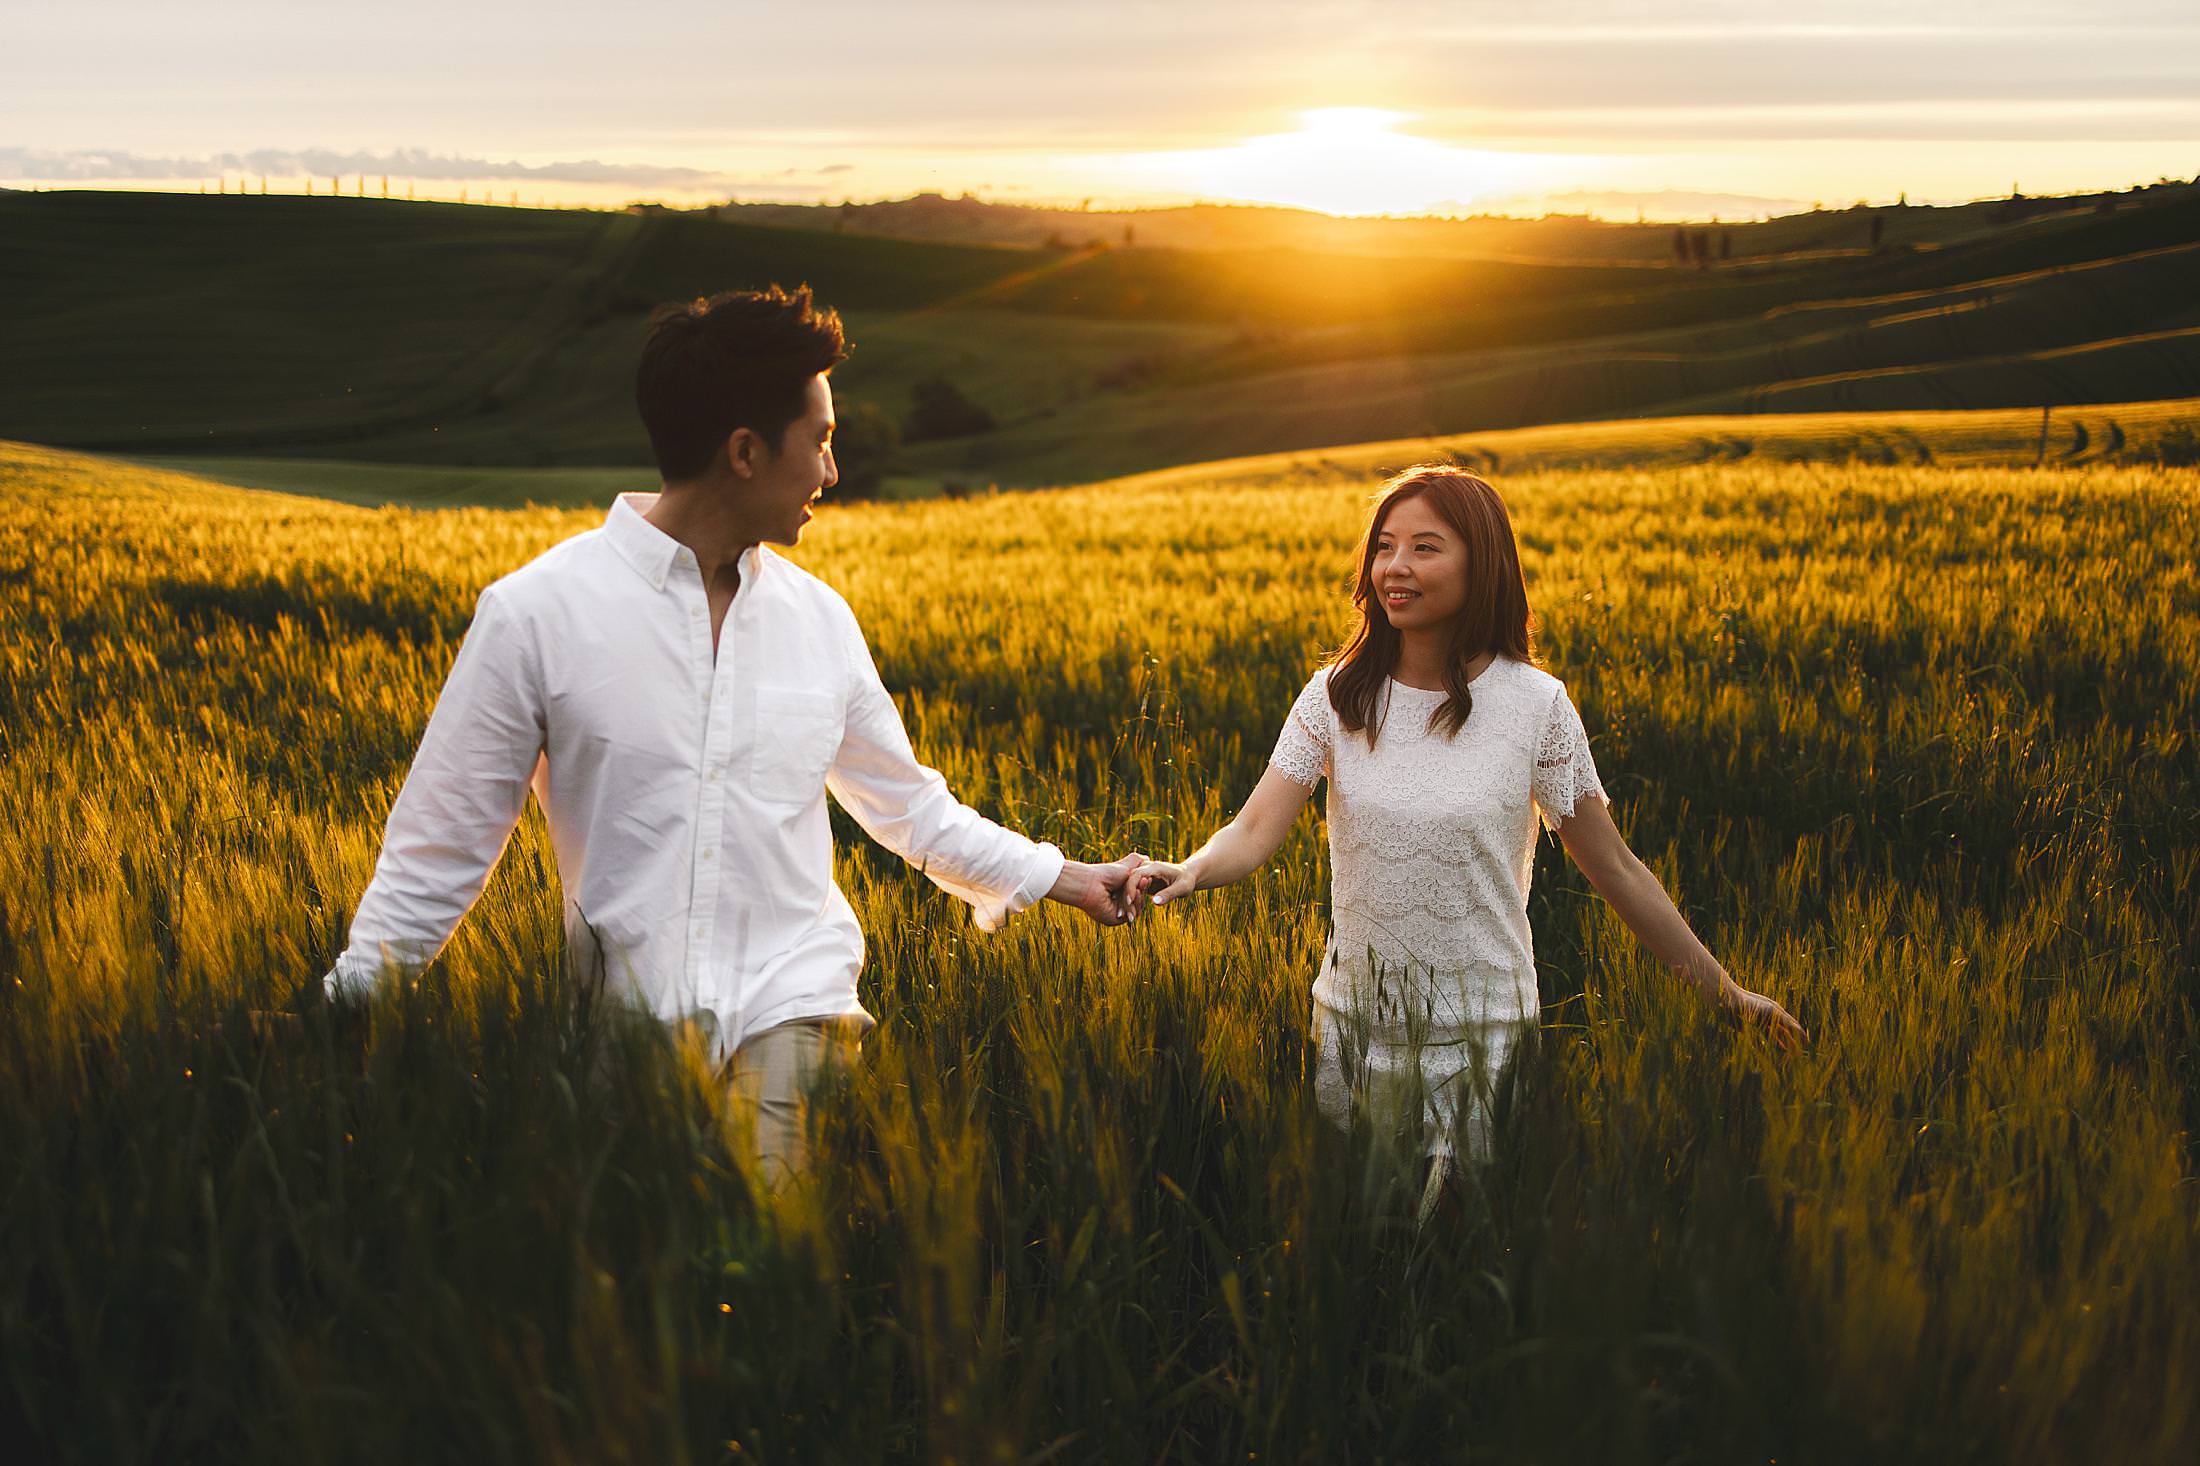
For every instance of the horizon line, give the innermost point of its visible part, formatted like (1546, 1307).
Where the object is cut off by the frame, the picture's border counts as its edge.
(353, 186)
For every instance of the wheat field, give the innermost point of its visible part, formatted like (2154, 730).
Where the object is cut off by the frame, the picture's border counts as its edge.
(1912, 746)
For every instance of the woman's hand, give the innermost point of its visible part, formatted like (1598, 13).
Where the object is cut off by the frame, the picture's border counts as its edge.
(1642, 902)
(1237, 849)
(1739, 1005)
(1161, 882)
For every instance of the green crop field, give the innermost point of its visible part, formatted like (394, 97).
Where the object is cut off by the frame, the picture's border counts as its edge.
(1912, 744)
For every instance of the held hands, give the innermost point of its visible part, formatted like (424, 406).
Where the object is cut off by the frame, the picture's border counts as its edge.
(1161, 882)
(1106, 893)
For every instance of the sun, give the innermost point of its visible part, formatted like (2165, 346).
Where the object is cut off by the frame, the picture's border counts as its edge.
(1347, 160)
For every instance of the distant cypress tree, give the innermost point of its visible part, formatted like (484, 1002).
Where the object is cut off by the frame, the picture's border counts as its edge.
(864, 446)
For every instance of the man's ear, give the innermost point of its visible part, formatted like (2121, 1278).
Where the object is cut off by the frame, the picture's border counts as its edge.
(744, 452)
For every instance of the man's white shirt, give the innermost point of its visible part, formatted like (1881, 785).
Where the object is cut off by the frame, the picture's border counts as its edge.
(685, 794)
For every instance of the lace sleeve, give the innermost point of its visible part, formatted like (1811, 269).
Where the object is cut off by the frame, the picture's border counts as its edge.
(1564, 771)
(1302, 749)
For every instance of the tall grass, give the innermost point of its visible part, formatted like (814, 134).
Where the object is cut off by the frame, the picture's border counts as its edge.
(1912, 746)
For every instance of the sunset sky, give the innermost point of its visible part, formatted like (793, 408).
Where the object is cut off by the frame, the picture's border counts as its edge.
(1682, 109)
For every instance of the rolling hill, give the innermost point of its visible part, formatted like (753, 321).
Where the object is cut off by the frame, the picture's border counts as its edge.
(365, 331)
(1553, 237)
(2130, 432)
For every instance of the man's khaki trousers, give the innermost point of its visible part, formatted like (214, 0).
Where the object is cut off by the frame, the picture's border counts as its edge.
(772, 1076)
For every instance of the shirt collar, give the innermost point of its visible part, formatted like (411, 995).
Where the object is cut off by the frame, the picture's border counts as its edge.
(649, 549)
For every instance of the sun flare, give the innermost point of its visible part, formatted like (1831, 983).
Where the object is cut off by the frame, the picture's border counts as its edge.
(1349, 160)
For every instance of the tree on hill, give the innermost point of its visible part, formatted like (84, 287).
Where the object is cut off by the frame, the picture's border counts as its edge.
(865, 441)
(940, 409)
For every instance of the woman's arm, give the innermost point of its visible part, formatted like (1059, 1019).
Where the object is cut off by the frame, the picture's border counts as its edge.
(1636, 894)
(1237, 849)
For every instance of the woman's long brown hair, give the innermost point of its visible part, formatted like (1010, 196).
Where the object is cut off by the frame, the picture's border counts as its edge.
(1494, 618)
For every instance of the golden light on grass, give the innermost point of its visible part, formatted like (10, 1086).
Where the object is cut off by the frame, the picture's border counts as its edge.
(1872, 724)
(1348, 160)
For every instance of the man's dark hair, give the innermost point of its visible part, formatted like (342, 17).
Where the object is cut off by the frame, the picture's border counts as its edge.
(740, 359)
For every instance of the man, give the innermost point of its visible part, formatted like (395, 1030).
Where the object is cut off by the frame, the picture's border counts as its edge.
(680, 699)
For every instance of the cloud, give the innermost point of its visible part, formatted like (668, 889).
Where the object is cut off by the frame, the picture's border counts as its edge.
(89, 165)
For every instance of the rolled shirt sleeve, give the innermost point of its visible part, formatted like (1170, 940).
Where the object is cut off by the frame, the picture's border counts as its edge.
(456, 810)
(906, 806)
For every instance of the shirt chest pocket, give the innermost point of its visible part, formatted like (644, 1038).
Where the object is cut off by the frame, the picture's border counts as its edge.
(794, 734)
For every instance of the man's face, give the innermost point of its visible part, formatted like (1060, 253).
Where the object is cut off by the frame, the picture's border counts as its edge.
(782, 487)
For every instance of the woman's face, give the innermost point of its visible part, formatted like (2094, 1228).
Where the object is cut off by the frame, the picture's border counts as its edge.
(1420, 567)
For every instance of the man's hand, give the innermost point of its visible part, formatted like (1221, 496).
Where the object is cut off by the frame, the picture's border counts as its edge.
(273, 1025)
(1105, 893)
(311, 999)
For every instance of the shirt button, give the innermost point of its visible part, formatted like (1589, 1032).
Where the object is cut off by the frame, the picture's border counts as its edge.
(710, 855)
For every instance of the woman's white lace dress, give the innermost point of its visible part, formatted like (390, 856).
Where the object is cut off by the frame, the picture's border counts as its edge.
(1428, 982)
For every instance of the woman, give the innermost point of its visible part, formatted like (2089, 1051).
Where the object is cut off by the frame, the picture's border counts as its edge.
(1441, 741)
